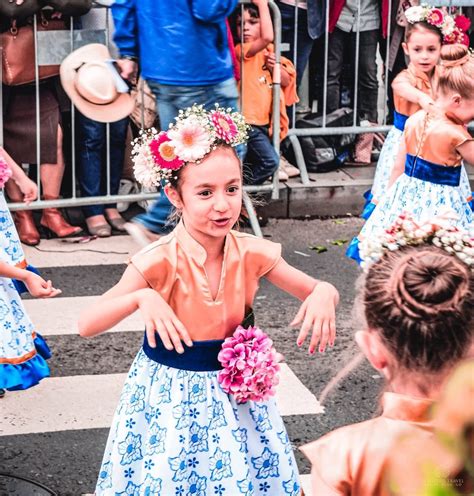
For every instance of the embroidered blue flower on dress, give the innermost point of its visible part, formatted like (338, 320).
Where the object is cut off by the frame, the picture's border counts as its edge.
(283, 437)
(13, 249)
(266, 464)
(179, 491)
(164, 390)
(216, 438)
(149, 464)
(105, 479)
(4, 308)
(17, 312)
(129, 423)
(130, 490)
(152, 414)
(181, 414)
(194, 413)
(156, 440)
(219, 463)
(196, 485)
(196, 389)
(136, 401)
(291, 487)
(261, 418)
(130, 449)
(264, 440)
(240, 435)
(219, 490)
(216, 415)
(5, 220)
(198, 438)
(178, 466)
(193, 462)
(264, 486)
(151, 486)
(246, 486)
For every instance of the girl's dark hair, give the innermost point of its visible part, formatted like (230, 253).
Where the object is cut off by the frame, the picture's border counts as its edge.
(423, 25)
(421, 301)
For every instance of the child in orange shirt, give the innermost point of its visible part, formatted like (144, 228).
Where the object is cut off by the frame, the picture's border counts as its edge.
(261, 161)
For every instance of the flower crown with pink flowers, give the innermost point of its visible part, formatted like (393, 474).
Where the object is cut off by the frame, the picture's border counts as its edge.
(406, 232)
(453, 28)
(196, 132)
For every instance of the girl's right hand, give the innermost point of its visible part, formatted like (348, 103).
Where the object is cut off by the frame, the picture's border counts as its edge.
(28, 188)
(38, 287)
(426, 102)
(159, 317)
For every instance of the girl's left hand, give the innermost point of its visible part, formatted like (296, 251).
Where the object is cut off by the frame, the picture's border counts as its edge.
(28, 188)
(318, 312)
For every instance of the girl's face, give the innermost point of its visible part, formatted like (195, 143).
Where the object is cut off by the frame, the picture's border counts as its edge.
(251, 28)
(210, 195)
(423, 47)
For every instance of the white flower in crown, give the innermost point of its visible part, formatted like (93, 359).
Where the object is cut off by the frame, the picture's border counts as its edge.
(143, 162)
(406, 232)
(415, 14)
(448, 26)
(191, 138)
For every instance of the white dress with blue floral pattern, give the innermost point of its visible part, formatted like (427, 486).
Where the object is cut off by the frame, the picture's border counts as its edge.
(177, 433)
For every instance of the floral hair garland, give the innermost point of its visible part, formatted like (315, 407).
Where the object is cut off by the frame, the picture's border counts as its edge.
(406, 232)
(453, 28)
(196, 132)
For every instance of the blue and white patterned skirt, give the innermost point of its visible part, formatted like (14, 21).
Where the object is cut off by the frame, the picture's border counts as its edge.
(386, 162)
(177, 433)
(423, 199)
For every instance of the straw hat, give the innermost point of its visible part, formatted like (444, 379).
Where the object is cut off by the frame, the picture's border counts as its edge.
(94, 86)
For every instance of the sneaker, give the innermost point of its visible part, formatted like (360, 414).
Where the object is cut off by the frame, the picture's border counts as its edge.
(140, 234)
(282, 175)
(289, 169)
(126, 187)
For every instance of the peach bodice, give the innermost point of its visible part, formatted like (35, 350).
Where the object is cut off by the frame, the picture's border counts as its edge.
(174, 266)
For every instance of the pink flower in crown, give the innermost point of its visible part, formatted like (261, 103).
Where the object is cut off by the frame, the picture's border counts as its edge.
(191, 139)
(163, 153)
(435, 17)
(5, 172)
(462, 22)
(225, 127)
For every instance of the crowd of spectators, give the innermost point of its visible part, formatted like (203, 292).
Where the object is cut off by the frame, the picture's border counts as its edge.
(191, 53)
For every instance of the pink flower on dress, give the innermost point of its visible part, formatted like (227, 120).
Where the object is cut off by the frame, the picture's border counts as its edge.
(250, 368)
(5, 172)
(191, 140)
(164, 153)
(435, 17)
(225, 127)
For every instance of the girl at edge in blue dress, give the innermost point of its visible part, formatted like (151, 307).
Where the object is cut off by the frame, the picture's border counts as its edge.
(428, 170)
(175, 431)
(22, 350)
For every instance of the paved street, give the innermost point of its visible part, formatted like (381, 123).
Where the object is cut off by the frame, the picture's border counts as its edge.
(55, 433)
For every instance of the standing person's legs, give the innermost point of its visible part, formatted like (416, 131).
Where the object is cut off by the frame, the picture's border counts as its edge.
(171, 99)
(337, 40)
(367, 81)
(261, 160)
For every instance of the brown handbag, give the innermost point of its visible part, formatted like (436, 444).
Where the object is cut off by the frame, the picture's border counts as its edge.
(18, 53)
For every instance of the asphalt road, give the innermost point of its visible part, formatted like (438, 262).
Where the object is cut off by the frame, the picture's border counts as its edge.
(68, 461)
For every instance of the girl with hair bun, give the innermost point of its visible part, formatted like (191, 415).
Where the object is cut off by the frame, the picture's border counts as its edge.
(417, 299)
(427, 174)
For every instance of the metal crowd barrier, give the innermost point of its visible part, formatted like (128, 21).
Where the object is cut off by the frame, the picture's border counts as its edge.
(51, 47)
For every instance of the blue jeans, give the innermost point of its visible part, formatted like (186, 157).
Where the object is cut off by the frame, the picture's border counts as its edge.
(261, 160)
(170, 99)
(92, 161)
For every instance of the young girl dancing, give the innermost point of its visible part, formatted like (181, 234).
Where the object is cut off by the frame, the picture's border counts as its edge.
(427, 171)
(22, 350)
(176, 431)
(414, 89)
(417, 297)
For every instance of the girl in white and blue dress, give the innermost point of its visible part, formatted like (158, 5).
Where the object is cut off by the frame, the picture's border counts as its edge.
(175, 431)
(22, 350)
(413, 89)
(427, 174)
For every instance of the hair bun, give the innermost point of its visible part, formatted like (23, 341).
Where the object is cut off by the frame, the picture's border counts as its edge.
(455, 54)
(427, 284)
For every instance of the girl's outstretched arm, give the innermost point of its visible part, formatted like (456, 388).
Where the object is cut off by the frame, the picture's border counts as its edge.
(318, 311)
(37, 286)
(132, 293)
(403, 87)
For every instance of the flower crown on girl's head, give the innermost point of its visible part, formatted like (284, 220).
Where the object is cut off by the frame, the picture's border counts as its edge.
(196, 132)
(453, 28)
(406, 232)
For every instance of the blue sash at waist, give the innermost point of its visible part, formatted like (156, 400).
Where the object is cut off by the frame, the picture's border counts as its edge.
(200, 357)
(399, 120)
(433, 173)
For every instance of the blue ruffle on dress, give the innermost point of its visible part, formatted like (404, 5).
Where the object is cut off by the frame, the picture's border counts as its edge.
(425, 190)
(177, 433)
(23, 352)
